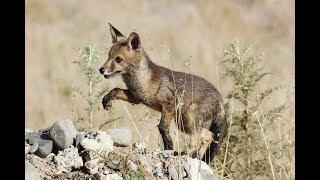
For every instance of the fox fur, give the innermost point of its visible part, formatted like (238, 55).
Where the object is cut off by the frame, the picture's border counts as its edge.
(167, 91)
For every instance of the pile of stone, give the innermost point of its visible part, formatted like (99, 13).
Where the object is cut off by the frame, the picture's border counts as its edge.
(61, 152)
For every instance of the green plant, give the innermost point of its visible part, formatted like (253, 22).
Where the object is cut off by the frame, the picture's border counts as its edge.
(87, 62)
(248, 151)
(135, 175)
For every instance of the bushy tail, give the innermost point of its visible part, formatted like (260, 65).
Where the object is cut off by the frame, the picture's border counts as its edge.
(219, 128)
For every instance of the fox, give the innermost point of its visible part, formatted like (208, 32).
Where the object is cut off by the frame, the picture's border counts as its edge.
(199, 103)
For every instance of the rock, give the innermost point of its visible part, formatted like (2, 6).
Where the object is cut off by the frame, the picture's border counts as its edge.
(45, 166)
(113, 176)
(27, 148)
(79, 137)
(78, 175)
(165, 153)
(68, 159)
(158, 170)
(140, 147)
(62, 133)
(93, 166)
(106, 143)
(143, 160)
(132, 165)
(173, 173)
(90, 144)
(102, 174)
(45, 147)
(31, 173)
(34, 148)
(145, 163)
(120, 137)
(90, 155)
(198, 170)
(27, 131)
(102, 144)
(33, 138)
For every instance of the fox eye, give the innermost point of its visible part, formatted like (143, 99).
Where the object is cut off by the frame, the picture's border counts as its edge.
(118, 59)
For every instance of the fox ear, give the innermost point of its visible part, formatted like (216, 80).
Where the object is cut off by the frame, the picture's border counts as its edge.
(133, 41)
(115, 34)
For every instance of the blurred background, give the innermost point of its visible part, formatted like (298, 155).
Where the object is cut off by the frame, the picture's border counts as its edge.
(172, 32)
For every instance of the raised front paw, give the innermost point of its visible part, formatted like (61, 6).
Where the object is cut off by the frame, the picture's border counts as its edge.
(106, 103)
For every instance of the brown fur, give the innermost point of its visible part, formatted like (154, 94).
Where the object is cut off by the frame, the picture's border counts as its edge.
(164, 90)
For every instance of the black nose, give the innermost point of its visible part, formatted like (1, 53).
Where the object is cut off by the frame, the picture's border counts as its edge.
(101, 70)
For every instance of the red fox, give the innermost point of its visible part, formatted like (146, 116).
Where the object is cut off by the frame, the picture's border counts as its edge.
(165, 90)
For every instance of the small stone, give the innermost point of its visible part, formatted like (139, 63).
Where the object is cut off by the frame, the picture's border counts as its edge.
(143, 160)
(121, 137)
(105, 141)
(27, 131)
(27, 148)
(93, 166)
(62, 133)
(197, 169)
(173, 173)
(102, 144)
(140, 147)
(90, 144)
(158, 170)
(166, 153)
(31, 173)
(33, 138)
(88, 155)
(70, 175)
(36, 137)
(34, 148)
(79, 137)
(113, 176)
(132, 165)
(68, 159)
(45, 147)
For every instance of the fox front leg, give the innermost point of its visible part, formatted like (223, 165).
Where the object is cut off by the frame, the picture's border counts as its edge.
(117, 93)
(164, 126)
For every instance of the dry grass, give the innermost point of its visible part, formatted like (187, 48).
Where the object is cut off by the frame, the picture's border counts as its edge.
(193, 31)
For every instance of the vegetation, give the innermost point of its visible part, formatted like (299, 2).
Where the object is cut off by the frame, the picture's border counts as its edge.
(248, 152)
(87, 63)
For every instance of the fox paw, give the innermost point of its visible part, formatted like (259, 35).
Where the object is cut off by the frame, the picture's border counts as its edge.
(106, 103)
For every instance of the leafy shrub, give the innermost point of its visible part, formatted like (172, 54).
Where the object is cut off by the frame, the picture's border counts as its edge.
(87, 62)
(248, 152)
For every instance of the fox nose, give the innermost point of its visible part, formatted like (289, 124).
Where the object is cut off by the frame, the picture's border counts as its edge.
(102, 70)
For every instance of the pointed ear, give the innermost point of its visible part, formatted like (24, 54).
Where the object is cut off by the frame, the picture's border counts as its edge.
(133, 41)
(115, 34)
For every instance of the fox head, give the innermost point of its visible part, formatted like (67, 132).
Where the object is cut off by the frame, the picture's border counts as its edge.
(124, 54)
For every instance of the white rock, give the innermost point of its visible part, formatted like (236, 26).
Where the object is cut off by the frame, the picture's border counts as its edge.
(68, 159)
(113, 176)
(27, 148)
(158, 169)
(31, 173)
(93, 166)
(198, 170)
(102, 142)
(90, 144)
(106, 143)
(132, 165)
(121, 137)
(27, 131)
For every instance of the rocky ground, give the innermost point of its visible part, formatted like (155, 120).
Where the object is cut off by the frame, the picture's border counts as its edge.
(61, 152)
